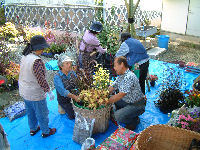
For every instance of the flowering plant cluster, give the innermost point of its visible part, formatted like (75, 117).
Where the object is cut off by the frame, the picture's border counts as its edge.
(8, 68)
(153, 77)
(196, 122)
(185, 121)
(190, 121)
(101, 78)
(93, 98)
(12, 72)
(8, 30)
(193, 99)
(97, 95)
(30, 32)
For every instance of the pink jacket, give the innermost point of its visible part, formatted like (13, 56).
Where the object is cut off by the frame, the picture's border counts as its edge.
(92, 41)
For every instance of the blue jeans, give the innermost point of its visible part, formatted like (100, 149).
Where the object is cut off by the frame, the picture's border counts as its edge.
(127, 113)
(37, 112)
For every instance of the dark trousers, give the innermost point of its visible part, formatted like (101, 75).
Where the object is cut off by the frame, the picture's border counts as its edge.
(66, 104)
(127, 113)
(143, 75)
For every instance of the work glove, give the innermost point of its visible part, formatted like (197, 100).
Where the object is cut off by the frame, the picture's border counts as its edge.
(51, 95)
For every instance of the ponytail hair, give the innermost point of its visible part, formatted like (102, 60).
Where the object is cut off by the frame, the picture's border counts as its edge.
(27, 50)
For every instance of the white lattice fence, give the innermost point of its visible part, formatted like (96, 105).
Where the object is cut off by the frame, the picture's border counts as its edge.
(71, 18)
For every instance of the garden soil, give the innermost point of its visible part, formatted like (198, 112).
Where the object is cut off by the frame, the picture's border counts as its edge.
(180, 48)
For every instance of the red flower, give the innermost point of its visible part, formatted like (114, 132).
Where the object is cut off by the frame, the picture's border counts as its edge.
(153, 77)
(2, 82)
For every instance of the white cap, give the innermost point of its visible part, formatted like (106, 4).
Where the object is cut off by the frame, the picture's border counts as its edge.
(63, 59)
(67, 58)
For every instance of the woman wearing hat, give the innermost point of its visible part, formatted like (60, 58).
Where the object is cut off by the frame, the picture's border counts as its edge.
(65, 82)
(90, 44)
(33, 86)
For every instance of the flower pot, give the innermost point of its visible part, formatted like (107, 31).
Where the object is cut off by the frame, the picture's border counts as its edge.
(101, 116)
(152, 83)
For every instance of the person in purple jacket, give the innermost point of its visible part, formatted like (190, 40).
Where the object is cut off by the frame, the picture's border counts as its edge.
(90, 45)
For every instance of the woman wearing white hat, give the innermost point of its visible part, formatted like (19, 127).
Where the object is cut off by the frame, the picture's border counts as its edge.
(65, 82)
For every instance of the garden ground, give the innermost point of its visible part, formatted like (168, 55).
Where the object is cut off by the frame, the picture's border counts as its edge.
(181, 48)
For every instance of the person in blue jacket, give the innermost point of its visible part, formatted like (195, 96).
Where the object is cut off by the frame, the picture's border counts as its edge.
(134, 52)
(65, 83)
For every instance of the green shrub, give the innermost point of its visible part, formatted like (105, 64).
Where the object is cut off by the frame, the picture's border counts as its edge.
(8, 31)
(109, 38)
(2, 16)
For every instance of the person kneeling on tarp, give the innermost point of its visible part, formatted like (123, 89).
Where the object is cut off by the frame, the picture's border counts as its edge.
(64, 82)
(130, 101)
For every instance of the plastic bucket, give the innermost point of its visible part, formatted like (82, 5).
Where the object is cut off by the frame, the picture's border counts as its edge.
(163, 41)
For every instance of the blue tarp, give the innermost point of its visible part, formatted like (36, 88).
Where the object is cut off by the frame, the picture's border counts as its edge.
(18, 130)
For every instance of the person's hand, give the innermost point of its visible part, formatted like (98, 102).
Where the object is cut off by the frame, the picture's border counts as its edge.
(76, 98)
(51, 96)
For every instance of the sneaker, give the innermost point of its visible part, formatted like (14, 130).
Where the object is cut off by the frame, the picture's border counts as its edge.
(32, 132)
(52, 131)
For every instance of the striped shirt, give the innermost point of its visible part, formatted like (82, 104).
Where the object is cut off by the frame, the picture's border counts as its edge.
(39, 72)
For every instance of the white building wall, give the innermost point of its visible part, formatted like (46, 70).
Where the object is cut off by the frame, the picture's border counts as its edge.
(174, 15)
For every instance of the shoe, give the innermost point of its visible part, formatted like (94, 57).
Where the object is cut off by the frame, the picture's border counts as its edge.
(133, 125)
(32, 132)
(52, 131)
(61, 110)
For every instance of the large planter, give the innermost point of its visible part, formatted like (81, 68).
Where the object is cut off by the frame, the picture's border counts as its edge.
(101, 116)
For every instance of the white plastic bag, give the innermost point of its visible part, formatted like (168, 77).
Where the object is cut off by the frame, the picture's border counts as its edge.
(83, 128)
(88, 144)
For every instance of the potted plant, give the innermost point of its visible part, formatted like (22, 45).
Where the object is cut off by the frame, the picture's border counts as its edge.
(170, 95)
(94, 97)
(192, 99)
(186, 118)
(152, 79)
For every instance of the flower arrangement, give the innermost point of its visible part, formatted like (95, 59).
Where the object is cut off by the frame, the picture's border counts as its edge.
(97, 95)
(193, 99)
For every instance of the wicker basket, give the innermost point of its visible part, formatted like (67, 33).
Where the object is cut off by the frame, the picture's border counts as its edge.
(101, 116)
(164, 137)
(195, 81)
